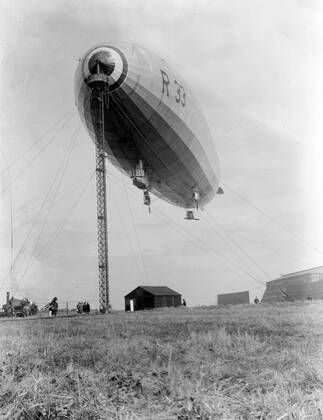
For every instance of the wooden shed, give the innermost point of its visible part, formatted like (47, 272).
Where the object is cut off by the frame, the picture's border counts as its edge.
(233, 298)
(149, 297)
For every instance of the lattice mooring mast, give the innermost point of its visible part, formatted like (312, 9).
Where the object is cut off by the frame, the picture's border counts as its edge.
(99, 101)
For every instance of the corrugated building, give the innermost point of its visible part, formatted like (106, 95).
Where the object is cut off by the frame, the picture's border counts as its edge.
(299, 285)
(149, 297)
(317, 289)
(233, 298)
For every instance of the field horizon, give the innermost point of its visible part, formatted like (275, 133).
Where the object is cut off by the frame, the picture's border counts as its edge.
(221, 362)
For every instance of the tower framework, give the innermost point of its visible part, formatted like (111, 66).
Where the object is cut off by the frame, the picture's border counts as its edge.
(99, 101)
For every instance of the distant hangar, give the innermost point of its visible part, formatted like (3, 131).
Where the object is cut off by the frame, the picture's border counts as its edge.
(300, 285)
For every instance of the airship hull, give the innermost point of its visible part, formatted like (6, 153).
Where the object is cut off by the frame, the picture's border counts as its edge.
(152, 117)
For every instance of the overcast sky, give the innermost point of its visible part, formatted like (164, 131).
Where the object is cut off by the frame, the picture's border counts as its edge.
(256, 68)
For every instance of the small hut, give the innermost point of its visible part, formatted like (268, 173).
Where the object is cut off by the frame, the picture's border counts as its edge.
(233, 298)
(149, 297)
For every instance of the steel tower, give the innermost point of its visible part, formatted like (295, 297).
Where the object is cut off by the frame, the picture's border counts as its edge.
(99, 101)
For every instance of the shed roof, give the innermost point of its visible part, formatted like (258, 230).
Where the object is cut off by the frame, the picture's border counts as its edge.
(157, 290)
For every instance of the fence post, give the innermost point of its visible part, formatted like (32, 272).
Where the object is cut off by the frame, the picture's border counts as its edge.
(66, 308)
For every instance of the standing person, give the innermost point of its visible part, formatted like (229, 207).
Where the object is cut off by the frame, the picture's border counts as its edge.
(86, 307)
(184, 302)
(53, 306)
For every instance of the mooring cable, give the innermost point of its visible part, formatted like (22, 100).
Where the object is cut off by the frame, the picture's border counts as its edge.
(198, 240)
(59, 176)
(35, 157)
(272, 219)
(57, 232)
(35, 219)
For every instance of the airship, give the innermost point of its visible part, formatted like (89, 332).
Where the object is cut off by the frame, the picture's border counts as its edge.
(152, 126)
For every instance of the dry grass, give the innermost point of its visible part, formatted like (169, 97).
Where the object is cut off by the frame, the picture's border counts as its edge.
(243, 362)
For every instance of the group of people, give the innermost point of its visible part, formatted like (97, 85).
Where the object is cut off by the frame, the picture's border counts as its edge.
(83, 307)
(52, 307)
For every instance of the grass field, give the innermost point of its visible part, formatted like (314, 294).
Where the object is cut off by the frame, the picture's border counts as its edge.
(242, 362)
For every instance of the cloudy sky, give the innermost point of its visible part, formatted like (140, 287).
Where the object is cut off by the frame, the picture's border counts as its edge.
(256, 67)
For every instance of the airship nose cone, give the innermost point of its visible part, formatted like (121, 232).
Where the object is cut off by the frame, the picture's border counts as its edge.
(105, 60)
(109, 60)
